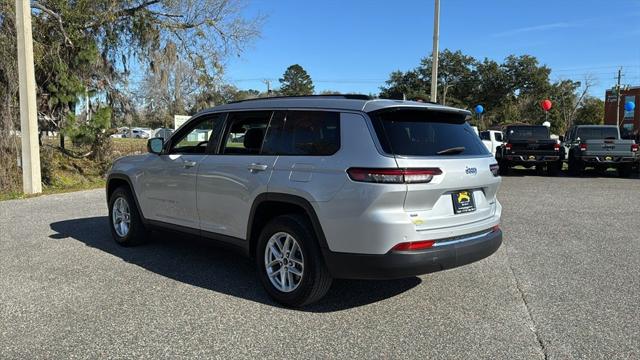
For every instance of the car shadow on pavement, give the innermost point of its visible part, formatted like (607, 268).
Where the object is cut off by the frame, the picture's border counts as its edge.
(202, 263)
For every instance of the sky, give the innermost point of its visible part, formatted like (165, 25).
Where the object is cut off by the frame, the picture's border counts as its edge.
(352, 46)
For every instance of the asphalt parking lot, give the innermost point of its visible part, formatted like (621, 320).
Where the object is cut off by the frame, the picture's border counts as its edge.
(565, 284)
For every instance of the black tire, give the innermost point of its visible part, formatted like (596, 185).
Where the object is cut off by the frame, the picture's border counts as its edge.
(315, 280)
(625, 171)
(137, 232)
(576, 167)
(503, 168)
(554, 168)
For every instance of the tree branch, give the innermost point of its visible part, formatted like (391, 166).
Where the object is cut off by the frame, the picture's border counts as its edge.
(39, 6)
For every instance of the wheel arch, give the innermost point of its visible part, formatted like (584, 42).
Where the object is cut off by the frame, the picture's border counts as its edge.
(117, 180)
(270, 205)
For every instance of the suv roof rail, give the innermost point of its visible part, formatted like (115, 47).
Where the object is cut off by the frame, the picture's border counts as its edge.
(329, 96)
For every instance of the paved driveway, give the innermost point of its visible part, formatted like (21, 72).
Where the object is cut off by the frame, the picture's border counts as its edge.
(565, 284)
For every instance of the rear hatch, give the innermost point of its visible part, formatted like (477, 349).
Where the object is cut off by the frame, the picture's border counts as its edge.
(608, 147)
(603, 140)
(530, 140)
(436, 139)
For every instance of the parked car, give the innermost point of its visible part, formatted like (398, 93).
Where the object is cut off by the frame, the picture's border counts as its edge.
(492, 139)
(320, 187)
(529, 146)
(600, 147)
(140, 133)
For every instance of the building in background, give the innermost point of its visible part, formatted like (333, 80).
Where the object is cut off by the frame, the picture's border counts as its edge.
(629, 120)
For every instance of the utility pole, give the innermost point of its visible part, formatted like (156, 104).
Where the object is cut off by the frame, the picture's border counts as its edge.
(31, 179)
(268, 83)
(618, 98)
(434, 64)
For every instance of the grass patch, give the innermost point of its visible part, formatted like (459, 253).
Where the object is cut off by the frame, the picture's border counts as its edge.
(63, 173)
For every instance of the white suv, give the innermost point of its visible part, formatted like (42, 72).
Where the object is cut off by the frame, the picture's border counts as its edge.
(319, 187)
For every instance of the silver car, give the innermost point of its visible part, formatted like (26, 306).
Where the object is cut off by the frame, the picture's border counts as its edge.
(319, 187)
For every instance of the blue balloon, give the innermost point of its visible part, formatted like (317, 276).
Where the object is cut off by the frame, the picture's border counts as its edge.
(629, 106)
(479, 109)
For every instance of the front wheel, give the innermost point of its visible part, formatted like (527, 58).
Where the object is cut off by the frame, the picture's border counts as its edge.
(127, 228)
(289, 262)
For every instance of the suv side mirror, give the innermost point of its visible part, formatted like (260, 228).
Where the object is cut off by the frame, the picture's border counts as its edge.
(155, 145)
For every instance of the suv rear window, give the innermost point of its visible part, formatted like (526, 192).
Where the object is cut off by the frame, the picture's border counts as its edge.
(410, 132)
(312, 133)
(528, 133)
(596, 133)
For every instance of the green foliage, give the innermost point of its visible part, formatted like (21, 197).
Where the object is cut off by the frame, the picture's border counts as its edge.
(510, 91)
(92, 132)
(591, 112)
(295, 82)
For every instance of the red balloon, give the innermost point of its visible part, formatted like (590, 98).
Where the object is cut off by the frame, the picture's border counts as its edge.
(546, 105)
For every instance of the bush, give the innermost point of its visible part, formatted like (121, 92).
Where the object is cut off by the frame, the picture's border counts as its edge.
(94, 133)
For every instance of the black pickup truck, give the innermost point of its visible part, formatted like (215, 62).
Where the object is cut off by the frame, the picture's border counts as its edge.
(600, 147)
(529, 146)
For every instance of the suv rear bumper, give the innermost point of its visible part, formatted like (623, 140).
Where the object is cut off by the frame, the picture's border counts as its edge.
(531, 159)
(604, 159)
(452, 253)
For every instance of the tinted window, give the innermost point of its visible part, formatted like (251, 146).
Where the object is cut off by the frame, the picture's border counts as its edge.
(528, 133)
(593, 133)
(245, 132)
(485, 135)
(498, 136)
(426, 133)
(304, 133)
(195, 137)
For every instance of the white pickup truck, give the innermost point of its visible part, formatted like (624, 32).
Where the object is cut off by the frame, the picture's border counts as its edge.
(491, 139)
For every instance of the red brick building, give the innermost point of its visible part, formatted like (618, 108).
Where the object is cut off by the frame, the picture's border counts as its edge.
(629, 120)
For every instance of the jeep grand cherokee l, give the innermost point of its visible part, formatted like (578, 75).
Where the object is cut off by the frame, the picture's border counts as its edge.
(317, 188)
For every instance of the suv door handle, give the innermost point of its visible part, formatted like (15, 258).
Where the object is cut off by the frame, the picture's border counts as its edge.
(189, 164)
(257, 167)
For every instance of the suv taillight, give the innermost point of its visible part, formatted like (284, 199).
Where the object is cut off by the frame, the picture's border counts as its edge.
(556, 147)
(508, 147)
(583, 147)
(634, 147)
(495, 169)
(393, 176)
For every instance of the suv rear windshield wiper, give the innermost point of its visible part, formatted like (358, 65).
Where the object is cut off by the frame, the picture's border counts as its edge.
(451, 151)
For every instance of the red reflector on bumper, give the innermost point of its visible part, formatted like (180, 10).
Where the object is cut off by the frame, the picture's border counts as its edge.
(415, 245)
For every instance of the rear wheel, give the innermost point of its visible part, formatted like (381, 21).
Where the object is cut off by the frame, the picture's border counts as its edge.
(503, 167)
(289, 262)
(127, 228)
(625, 170)
(576, 167)
(554, 168)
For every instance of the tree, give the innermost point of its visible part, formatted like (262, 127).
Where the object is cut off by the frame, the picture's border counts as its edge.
(591, 112)
(510, 91)
(296, 82)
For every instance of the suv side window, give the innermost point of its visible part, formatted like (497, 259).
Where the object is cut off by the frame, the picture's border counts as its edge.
(484, 135)
(310, 133)
(498, 136)
(245, 132)
(195, 138)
